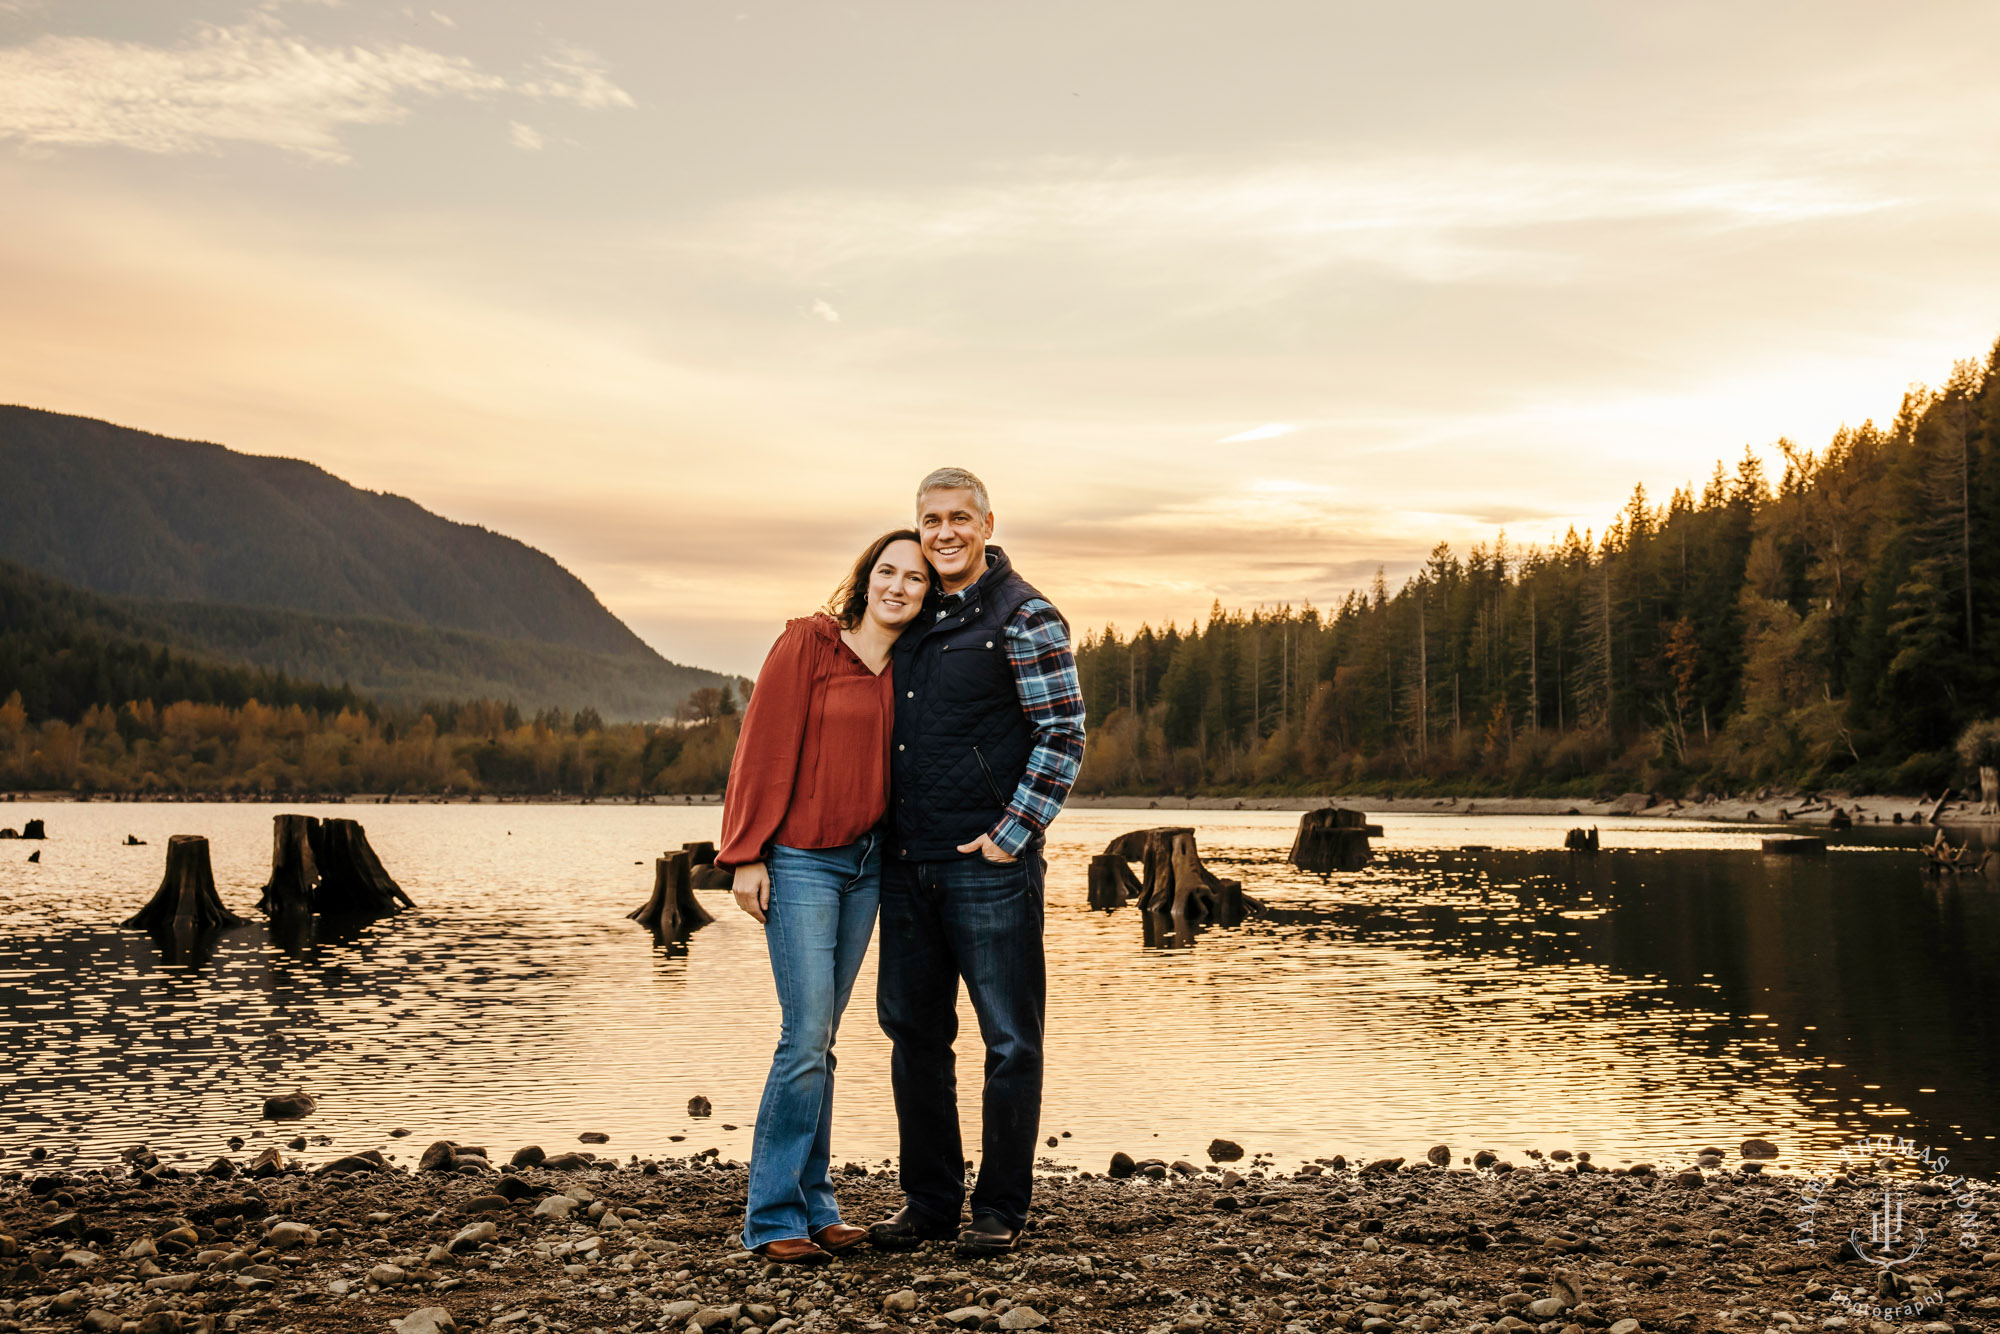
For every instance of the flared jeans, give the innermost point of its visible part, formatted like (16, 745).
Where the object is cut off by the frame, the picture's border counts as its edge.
(821, 915)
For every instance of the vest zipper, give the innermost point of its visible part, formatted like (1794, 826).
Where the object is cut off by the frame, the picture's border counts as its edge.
(992, 788)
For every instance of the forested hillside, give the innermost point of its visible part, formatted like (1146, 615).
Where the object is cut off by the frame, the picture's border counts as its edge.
(63, 651)
(1834, 625)
(281, 565)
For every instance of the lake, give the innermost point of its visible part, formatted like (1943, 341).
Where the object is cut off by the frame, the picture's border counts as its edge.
(1677, 991)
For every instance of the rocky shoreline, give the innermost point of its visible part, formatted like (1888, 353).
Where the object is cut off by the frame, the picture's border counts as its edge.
(569, 1243)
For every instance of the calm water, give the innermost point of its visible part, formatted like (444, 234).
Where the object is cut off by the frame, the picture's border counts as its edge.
(1679, 990)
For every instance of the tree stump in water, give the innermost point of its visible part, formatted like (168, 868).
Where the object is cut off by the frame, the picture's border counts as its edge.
(1581, 840)
(351, 878)
(1112, 882)
(672, 911)
(186, 902)
(33, 829)
(711, 876)
(1173, 880)
(699, 854)
(1333, 838)
(289, 891)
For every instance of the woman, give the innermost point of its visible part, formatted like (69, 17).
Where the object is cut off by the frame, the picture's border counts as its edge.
(807, 790)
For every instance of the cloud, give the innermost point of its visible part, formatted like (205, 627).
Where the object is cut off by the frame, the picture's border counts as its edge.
(524, 137)
(825, 311)
(581, 79)
(255, 82)
(1268, 431)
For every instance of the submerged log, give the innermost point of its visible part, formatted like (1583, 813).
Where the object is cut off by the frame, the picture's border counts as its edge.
(1172, 879)
(351, 878)
(1333, 838)
(294, 876)
(672, 911)
(186, 901)
(1581, 840)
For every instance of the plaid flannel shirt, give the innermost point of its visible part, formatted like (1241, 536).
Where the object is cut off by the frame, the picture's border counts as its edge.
(1045, 682)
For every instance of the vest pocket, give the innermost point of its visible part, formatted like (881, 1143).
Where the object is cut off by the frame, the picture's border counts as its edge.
(992, 787)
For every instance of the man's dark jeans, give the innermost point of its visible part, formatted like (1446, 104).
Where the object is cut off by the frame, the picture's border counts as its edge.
(971, 919)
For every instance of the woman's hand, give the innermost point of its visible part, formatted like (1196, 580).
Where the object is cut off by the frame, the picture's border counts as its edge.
(752, 888)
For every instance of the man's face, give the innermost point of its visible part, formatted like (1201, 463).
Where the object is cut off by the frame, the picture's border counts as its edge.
(955, 534)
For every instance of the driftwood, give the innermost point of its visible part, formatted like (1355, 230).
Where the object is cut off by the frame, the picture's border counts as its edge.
(672, 911)
(186, 902)
(1173, 881)
(1938, 809)
(1581, 840)
(289, 891)
(1941, 857)
(351, 879)
(1333, 838)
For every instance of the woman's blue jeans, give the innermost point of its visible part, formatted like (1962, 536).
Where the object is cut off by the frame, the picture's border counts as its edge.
(822, 912)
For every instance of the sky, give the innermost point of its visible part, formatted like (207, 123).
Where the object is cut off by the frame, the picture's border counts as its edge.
(1224, 302)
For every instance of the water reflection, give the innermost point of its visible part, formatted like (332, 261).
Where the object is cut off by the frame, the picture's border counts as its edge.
(1676, 989)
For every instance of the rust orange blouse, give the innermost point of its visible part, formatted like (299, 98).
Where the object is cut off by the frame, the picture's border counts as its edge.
(812, 761)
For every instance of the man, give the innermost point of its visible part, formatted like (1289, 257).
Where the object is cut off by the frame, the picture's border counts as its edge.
(987, 738)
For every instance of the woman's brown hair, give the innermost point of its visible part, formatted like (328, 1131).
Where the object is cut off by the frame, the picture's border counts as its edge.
(850, 600)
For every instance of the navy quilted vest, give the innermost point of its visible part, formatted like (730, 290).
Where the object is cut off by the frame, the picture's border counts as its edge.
(961, 741)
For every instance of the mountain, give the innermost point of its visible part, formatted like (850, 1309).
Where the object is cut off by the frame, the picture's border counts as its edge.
(277, 563)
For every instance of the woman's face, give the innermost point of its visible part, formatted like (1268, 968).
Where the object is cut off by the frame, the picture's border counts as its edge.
(897, 584)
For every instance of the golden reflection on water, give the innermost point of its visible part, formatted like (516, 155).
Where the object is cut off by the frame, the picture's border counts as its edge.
(1676, 992)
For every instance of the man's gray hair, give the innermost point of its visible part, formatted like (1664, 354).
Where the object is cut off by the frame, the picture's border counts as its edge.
(954, 479)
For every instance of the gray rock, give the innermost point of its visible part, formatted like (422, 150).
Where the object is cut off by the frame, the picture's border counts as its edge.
(675, 1314)
(1626, 1326)
(700, 1106)
(469, 1237)
(1121, 1167)
(1224, 1151)
(555, 1206)
(966, 1316)
(283, 1236)
(1759, 1148)
(593, 1137)
(528, 1155)
(427, 1320)
(1439, 1156)
(101, 1321)
(1023, 1317)
(902, 1301)
(439, 1157)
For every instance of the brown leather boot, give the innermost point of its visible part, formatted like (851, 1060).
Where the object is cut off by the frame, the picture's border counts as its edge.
(793, 1251)
(840, 1236)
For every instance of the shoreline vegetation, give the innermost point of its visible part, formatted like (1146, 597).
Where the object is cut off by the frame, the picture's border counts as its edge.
(1830, 631)
(1459, 1243)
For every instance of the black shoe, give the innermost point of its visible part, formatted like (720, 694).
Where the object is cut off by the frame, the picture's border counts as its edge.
(906, 1229)
(988, 1235)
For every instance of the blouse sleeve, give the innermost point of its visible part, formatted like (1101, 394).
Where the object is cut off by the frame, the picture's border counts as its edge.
(767, 753)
